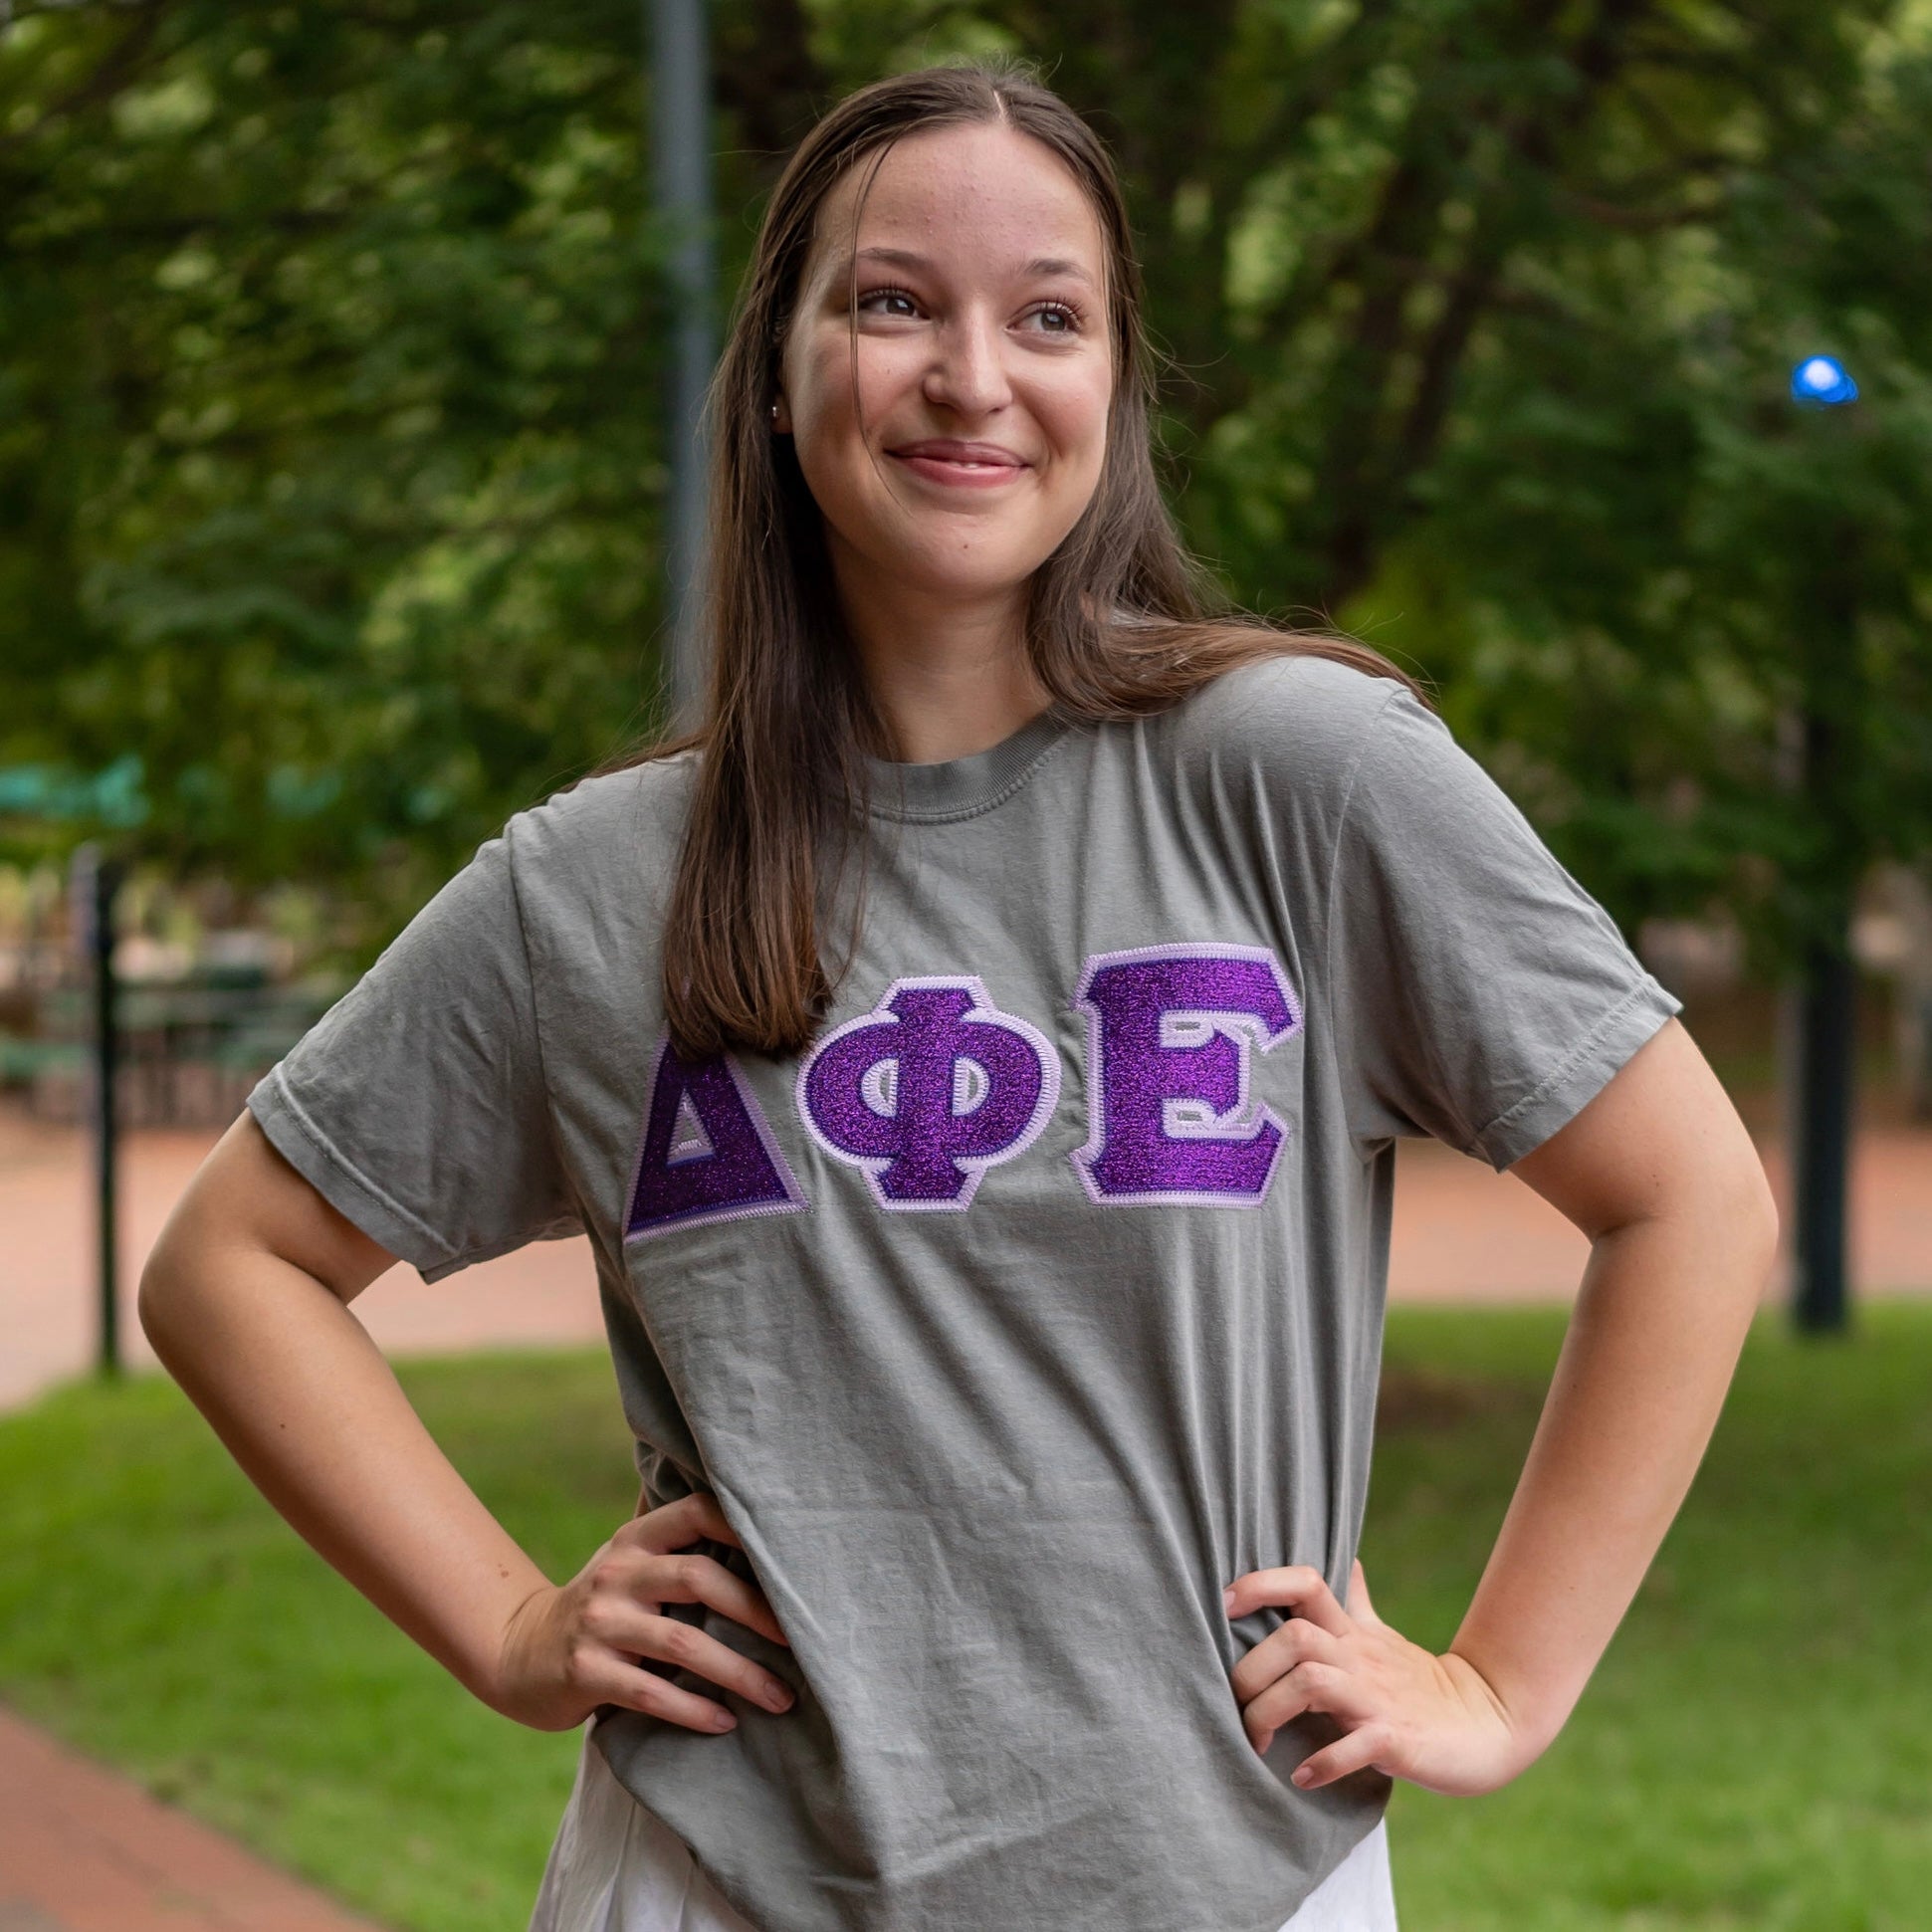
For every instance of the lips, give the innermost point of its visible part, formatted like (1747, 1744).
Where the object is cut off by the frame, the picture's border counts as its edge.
(955, 465)
(945, 449)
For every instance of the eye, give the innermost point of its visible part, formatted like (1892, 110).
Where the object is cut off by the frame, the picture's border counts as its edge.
(888, 295)
(1066, 318)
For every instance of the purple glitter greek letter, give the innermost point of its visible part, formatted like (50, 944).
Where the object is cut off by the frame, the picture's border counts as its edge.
(927, 1090)
(1172, 1031)
(708, 1153)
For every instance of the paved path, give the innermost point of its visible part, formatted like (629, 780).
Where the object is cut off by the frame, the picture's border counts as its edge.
(85, 1850)
(1462, 1234)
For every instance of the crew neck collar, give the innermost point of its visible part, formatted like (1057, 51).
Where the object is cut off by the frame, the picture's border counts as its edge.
(961, 788)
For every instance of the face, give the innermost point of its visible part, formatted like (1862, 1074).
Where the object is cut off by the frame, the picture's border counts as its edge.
(976, 435)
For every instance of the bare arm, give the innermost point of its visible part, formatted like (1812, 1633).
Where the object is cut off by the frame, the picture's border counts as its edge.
(1661, 1173)
(245, 1300)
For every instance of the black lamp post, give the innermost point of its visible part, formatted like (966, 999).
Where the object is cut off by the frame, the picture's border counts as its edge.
(1824, 997)
(93, 884)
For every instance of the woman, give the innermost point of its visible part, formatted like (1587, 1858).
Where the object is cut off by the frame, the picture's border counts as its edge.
(975, 1054)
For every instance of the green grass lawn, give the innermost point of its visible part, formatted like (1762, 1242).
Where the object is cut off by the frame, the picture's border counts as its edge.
(1756, 1750)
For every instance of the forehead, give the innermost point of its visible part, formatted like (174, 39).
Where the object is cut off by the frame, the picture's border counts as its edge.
(981, 193)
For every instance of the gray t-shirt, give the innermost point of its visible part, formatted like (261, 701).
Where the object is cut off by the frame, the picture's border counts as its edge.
(1039, 1299)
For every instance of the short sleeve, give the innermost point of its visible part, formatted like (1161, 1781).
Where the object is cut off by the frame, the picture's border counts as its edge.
(1480, 995)
(416, 1104)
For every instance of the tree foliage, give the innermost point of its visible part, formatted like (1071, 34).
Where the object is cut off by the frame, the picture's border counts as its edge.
(330, 441)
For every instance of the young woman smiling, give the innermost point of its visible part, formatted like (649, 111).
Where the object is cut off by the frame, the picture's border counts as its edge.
(976, 1052)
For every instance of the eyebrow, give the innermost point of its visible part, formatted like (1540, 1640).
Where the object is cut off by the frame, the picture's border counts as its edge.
(906, 258)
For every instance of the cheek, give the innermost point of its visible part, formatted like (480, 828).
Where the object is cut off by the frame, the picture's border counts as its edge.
(1076, 417)
(826, 407)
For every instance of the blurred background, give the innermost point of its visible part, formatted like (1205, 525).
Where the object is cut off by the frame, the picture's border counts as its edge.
(1577, 355)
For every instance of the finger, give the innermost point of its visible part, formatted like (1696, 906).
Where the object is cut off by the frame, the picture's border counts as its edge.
(1300, 1586)
(696, 1650)
(1296, 1642)
(1262, 1722)
(1356, 1751)
(694, 1579)
(1308, 1687)
(638, 1690)
(676, 1526)
(1359, 1606)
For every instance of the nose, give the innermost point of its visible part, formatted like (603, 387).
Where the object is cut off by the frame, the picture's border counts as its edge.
(968, 369)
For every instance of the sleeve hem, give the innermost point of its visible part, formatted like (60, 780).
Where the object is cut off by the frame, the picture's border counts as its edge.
(1579, 1076)
(316, 1158)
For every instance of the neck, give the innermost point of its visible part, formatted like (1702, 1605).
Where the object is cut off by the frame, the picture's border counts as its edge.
(949, 675)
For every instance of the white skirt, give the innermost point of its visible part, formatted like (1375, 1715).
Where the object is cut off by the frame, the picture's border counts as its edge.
(616, 1867)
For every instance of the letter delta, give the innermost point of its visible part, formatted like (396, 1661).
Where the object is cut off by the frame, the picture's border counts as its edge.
(935, 1084)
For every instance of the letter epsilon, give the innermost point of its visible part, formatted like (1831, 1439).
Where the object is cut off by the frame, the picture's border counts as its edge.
(1172, 1031)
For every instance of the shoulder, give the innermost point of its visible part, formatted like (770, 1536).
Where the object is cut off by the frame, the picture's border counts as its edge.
(1296, 719)
(607, 818)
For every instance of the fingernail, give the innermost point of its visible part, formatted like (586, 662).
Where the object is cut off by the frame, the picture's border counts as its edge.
(722, 1721)
(1227, 1597)
(1301, 1775)
(777, 1700)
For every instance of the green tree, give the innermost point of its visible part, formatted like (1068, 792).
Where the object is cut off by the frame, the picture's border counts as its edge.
(331, 451)
(334, 451)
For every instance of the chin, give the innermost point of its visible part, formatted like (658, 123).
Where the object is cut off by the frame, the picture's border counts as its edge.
(992, 576)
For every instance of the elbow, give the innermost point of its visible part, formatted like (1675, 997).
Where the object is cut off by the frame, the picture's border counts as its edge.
(157, 1299)
(1747, 1223)
(149, 1298)
(1769, 1228)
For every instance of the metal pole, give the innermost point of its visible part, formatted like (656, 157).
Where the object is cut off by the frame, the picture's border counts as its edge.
(681, 153)
(1824, 999)
(1821, 1090)
(96, 884)
(1825, 996)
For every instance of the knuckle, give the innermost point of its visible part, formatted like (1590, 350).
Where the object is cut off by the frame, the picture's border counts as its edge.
(650, 1695)
(604, 1618)
(679, 1642)
(608, 1575)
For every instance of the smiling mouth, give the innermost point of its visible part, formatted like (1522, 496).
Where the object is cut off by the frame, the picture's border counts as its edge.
(968, 471)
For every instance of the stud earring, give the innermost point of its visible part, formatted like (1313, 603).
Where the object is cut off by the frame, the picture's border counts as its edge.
(774, 412)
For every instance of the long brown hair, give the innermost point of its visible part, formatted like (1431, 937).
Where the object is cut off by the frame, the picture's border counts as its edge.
(1121, 621)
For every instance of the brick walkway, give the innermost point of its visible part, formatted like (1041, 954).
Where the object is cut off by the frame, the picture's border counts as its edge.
(85, 1850)
(1462, 1234)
